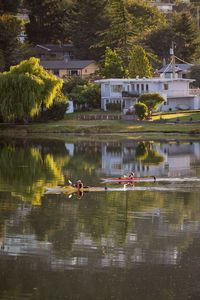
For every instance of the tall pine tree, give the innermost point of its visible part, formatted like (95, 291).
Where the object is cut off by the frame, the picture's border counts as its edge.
(139, 64)
(87, 19)
(47, 21)
(119, 32)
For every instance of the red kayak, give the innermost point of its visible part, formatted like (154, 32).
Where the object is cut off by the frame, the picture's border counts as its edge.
(128, 179)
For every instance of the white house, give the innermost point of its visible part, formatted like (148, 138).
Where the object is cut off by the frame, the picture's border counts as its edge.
(175, 91)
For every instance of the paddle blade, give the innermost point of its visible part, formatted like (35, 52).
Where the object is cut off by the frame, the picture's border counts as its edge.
(70, 182)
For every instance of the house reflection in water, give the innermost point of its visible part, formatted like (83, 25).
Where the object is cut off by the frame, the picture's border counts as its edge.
(176, 159)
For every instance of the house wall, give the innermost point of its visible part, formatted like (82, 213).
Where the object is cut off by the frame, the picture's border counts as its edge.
(174, 92)
(90, 69)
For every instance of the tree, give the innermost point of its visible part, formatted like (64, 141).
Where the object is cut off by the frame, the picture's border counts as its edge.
(10, 46)
(139, 64)
(87, 19)
(195, 74)
(144, 18)
(7, 6)
(112, 65)
(119, 32)
(86, 96)
(141, 110)
(152, 101)
(47, 21)
(26, 89)
(182, 31)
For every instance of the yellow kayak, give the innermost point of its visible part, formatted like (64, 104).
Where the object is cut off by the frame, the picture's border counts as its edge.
(68, 189)
(73, 189)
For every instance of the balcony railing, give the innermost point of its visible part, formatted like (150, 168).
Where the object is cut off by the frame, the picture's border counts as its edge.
(126, 94)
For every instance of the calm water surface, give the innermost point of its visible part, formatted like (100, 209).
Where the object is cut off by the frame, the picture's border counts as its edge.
(142, 244)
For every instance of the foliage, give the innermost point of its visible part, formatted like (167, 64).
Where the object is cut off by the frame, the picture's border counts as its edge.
(56, 112)
(118, 33)
(25, 89)
(9, 5)
(10, 46)
(86, 96)
(144, 18)
(195, 74)
(71, 83)
(181, 30)
(151, 100)
(113, 106)
(139, 64)
(112, 65)
(141, 110)
(48, 20)
(86, 20)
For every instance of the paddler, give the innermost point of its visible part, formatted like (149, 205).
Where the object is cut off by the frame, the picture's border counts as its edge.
(132, 175)
(79, 184)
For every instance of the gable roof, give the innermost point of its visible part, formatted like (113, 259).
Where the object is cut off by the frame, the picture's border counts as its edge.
(62, 64)
(178, 68)
(54, 47)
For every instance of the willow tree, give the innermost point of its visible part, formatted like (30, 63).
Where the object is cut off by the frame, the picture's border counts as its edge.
(26, 89)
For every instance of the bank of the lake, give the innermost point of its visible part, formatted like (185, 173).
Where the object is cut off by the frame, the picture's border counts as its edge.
(187, 124)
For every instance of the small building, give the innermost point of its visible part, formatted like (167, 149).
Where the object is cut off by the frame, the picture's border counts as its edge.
(181, 71)
(176, 92)
(71, 67)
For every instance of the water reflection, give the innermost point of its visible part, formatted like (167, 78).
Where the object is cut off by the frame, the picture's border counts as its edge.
(103, 231)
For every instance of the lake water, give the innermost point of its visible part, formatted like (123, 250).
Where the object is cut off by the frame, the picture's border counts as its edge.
(140, 242)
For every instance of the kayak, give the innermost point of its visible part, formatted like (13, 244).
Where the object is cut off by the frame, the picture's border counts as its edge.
(73, 189)
(128, 179)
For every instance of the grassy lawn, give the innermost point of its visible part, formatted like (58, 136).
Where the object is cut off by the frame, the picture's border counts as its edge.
(71, 125)
(184, 116)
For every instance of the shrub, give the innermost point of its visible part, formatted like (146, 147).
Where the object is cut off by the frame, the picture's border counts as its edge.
(141, 110)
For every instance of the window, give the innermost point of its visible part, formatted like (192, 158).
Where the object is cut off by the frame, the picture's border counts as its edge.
(73, 72)
(166, 87)
(142, 87)
(116, 88)
(147, 87)
(56, 72)
(138, 87)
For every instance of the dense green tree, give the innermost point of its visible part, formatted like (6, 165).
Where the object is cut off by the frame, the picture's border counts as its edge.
(118, 34)
(195, 74)
(182, 31)
(87, 19)
(139, 64)
(47, 21)
(86, 96)
(26, 89)
(141, 110)
(10, 45)
(144, 18)
(112, 65)
(151, 100)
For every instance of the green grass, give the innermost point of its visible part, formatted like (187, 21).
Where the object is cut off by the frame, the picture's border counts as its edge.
(71, 125)
(184, 116)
